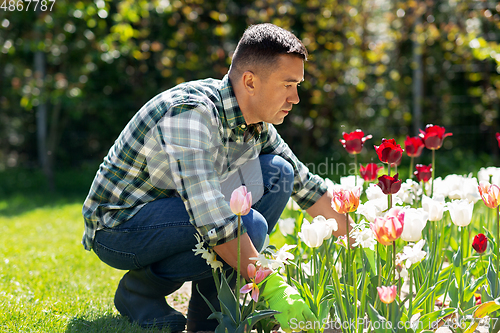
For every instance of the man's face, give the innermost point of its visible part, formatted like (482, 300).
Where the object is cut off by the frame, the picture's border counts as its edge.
(276, 94)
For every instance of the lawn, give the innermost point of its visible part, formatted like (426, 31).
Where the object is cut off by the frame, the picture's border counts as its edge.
(48, 282)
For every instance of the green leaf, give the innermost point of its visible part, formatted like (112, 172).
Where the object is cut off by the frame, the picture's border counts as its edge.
(227, 299)
(382, 325)
(472, 288)
(492, 279)
(431, 320)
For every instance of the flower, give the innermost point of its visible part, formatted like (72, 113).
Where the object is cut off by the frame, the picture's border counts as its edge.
(433, 136)
(345, 201)
(387, 294)
(350, 182)
(206, 254)
(313, 234)
(256, 277)
(415, 221)
(331, 224)
(413, 253)
(460, 212)
(435, 207)
(241, 201)
(480, 243)
(497, 135)
(414, 146)
(353, 142)
(410, 191)
(490, 194)
(389, 152)
(369, 172)
(388, 184)
(423, 172)
(287, 226)
(364, 236)
(387, 229)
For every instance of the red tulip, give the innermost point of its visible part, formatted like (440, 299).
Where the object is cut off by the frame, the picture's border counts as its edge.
(433, 136)
(498, 139)
(369, 173)
(480, 243)
(388, 184)
(353, 142)
(389, 152)
(423, 172)
(414, 146)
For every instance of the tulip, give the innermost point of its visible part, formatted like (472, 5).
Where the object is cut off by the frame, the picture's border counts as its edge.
(414, 146)
(256, 277)
(498, 139)
(433, 136)
(490, 194)
(415, 221)
(480, 243)
(423, 172)
(388, 184)
(353, 142)
(241, 201)
(369, 173)
(435, 207)
(313, 234)
(389, 152)
(345, 201)
(387, 229)
(461, 212)
(387, 294)
(287, 226)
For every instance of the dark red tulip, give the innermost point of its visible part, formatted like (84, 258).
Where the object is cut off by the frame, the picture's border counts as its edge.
(423, 172)
(498, 139)
(388, 184)
(389, 152)
(480, 243)
(414, 146)
(369, 173)
(353, 142)
(433, 136)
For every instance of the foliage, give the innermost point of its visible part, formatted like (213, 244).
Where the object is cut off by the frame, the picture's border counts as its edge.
(105, 59)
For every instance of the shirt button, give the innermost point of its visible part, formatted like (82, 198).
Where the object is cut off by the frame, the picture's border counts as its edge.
(243, 126)
(231, 124)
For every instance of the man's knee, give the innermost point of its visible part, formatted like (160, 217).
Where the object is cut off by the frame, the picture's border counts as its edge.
(279, 170)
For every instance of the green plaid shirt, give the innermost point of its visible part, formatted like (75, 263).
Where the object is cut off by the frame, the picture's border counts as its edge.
(183, 143)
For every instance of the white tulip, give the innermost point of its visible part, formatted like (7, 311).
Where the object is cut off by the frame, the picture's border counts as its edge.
(287, 226)
(415, 221)
(374, 192)
(331, 225)
(313, 234)
(409, 191)
(435, 207)
(460, 212)
(349, 182)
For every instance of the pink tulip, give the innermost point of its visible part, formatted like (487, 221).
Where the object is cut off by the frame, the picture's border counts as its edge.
(387, 229)
(490, 194)
(387, 294)
(346, 201)
(241, 201)
(256, 277)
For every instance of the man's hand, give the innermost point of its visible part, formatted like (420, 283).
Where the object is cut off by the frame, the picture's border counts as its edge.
(324, 207)
(229, 253)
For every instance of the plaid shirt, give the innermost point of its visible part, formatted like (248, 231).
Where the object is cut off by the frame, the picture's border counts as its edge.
(183, 143)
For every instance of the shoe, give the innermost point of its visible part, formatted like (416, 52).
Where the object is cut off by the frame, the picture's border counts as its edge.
(140, 296)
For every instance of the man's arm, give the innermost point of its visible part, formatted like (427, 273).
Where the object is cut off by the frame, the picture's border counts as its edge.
(229, 253)
(324, 207)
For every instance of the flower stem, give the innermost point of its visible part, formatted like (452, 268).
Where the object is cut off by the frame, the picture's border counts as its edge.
(348, 247)
(410, 176)
(355, 169)
(394, 260)
(498, 242)
(238, 273)
(410, 300)
(433, 167)
(460, 287)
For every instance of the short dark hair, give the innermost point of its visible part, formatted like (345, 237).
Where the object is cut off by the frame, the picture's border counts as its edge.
(260, 46)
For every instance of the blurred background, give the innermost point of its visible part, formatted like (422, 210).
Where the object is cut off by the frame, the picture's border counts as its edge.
(73, 73)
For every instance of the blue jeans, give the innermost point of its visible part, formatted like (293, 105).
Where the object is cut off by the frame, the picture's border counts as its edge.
(161, 235)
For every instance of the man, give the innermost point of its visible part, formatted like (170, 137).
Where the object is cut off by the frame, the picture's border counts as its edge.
(170, 174)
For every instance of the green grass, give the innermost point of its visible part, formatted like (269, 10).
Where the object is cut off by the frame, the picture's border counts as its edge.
(48, 282)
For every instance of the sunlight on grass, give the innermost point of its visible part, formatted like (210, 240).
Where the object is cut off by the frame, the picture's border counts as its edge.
(48, 282)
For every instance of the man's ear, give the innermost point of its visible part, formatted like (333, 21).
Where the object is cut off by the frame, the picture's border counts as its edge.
(249, 80)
